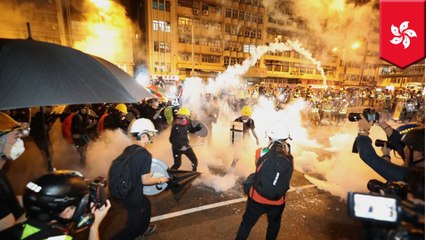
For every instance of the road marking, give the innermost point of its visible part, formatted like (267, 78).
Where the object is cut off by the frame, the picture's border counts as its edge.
(215, 205)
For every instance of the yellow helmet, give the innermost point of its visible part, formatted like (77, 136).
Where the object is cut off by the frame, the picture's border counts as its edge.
(184, 111)
(122, 108)
(246, 111)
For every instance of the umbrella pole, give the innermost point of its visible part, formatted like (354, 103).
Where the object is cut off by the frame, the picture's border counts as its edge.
(46, 141)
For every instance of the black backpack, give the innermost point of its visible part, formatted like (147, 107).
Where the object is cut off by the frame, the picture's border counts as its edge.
(273, 174)
(119, 177)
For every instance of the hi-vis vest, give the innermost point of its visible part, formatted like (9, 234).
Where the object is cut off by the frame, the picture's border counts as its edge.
(30, 230)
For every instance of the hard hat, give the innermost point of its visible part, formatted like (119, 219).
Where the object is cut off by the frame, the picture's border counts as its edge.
(122, 108)
(278, 132)
(184, 111)
(246, 111)
(142, 125)
(330, 97)
(415, 139)
(47, 196)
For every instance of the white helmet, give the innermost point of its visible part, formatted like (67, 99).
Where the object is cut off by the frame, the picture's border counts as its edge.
(278, 132)
(142, 125)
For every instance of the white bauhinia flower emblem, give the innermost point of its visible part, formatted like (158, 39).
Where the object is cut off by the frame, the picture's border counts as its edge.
(402, 34)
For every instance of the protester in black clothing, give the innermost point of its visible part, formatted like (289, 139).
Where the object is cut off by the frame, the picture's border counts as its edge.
(411, 147)
(114, 119)
(179, 139)
(40, 133)
(11, 147)
(152, 111)
(248, 123)
(274, 170)
(80, 135)
(137, 204)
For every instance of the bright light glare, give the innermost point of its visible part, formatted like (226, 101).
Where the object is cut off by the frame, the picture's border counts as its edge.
(356, 45)
(103, 4)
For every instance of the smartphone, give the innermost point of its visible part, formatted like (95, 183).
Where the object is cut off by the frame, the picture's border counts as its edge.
(374, 208)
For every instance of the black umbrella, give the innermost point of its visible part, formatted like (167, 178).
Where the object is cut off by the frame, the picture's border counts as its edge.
(34, 73)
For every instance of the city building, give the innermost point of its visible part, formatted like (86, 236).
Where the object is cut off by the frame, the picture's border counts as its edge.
(176, 39)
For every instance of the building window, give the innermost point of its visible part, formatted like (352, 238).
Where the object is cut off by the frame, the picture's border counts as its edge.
(155, 25)
(246, 48)
(228, 13)
(235, 14)
(254, 17)
(259, 34)
(247, 32)
(158, 4)
(227, 28)
(248, 16)
(167, 27)
(226, 60)
(241, 15)
(259, 19)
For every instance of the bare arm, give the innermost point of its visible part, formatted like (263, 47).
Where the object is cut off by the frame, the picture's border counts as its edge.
(7, 222)
(147, 179)
(99, 216)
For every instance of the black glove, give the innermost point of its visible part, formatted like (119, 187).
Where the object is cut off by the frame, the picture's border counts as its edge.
(198, 127)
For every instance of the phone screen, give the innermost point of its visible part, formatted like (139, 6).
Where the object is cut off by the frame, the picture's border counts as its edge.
(379, 208)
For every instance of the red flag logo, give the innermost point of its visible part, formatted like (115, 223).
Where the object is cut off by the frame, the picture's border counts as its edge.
(402, 29)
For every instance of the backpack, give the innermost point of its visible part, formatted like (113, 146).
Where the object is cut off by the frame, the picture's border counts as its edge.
(271, 179)
(66, 128)
(119, 177)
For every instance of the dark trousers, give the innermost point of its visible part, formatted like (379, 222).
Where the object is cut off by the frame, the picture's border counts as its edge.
(253, 211)
(138, 218)
(177, 157)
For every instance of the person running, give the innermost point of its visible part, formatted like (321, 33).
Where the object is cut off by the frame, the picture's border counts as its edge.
(180, 141)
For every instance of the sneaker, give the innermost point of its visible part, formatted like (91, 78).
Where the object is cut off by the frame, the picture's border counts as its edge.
(151, 229)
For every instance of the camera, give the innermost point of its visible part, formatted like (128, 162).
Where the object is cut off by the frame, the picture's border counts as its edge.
(97, 194)
(369, 114)
(381, 143)
(386, 212)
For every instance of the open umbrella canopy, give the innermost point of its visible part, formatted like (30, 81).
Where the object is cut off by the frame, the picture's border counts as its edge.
(34, 73)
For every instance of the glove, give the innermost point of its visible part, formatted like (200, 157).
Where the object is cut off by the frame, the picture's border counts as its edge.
(198, 127)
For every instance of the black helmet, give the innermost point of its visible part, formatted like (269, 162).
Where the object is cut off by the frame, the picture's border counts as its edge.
(415, 139)
(47, 196)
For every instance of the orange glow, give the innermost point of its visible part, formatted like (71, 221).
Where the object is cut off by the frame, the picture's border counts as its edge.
(338, 5)
(102, 4)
